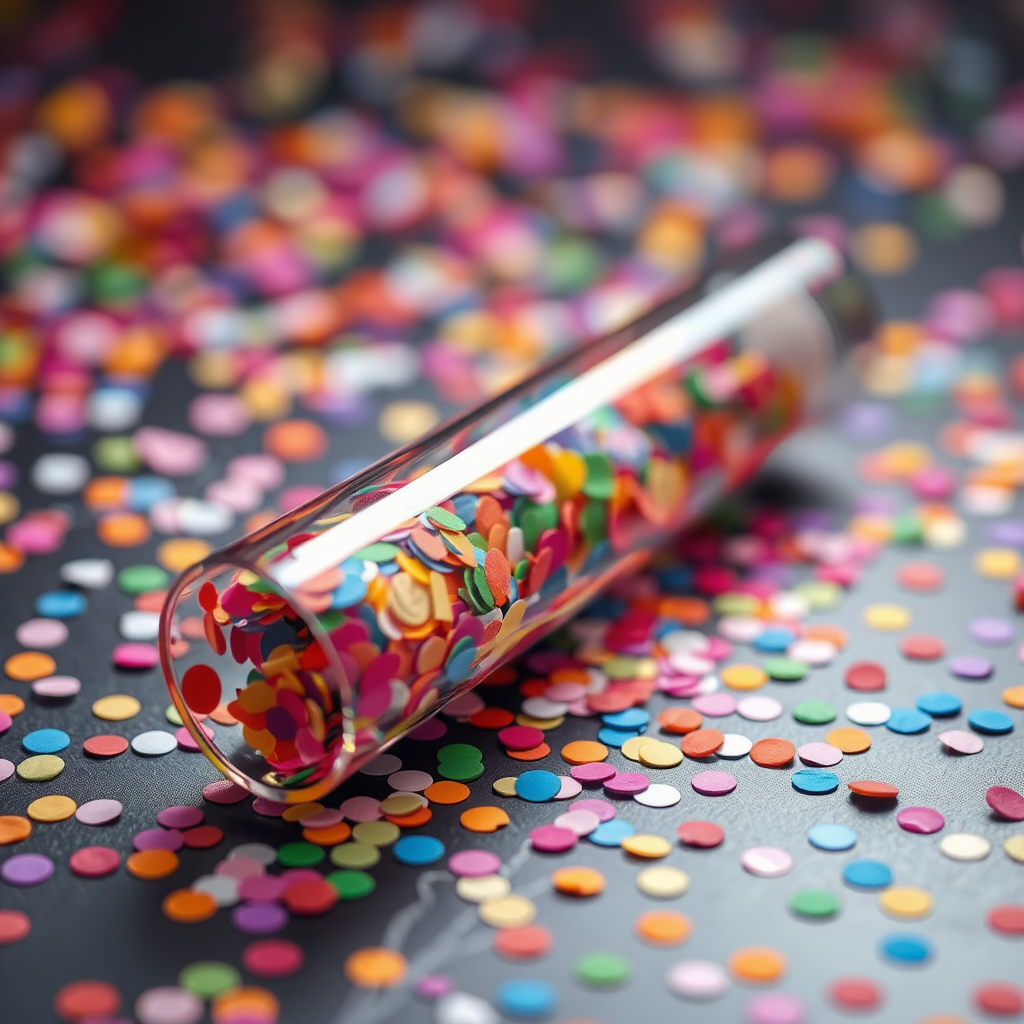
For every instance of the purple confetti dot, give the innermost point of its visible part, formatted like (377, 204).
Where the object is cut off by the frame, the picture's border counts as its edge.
(259, 918)
(866, 421)
(180, 817)
(434, 986)
(774, 1008)
(1007, 533)
(158, 839)
(922, 820)
(969, 666)
(991, 631)
(713, 783)
(25, 869)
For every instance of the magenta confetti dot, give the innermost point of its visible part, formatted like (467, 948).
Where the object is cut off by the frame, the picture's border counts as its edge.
(774, 1008)
(923, 820)
(599, 771)
(158, 839)
(996, 632)
(223, 791)
(604, 810)
(25, 869)
(713, 783)
(136, 656)
(434, 986)
(969, 666)
(259, 918)
(820, 755)
(520, 737)
(433, 729)
(261, 888)
(552, 839)
(269, 808)
(714, 705)
(1006, 802)
(5, 723)
(627, 783)
(180, 817)
(473, 863)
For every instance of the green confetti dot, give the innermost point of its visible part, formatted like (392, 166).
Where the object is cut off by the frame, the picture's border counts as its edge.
(460, 769)
(459, 751)
(735, 604)
(208, 978)
(603, 969)
(820, 595)
(621, 668)
(352, 885)
(116, 455)
(786, 670)
(814, 712)
(907, 529)
(300, 855)
(600, 482)
(445, 519)
(379, 552)
(354, 855)
(142, 579)
(172, 716)
(814, 903)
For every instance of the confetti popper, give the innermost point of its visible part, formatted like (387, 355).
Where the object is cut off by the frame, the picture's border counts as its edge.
(354, 618)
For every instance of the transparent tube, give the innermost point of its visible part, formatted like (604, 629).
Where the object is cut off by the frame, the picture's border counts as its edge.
(339, 627)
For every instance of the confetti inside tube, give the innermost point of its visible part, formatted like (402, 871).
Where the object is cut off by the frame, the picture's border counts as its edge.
(354, 618)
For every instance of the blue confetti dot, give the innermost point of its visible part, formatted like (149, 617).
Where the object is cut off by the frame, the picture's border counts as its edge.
(418, 851)
(907, 721)
(939, 704)
(831, 837)
(611, 833)
(46, 741)
(774, 641)
(538, 786)
(907, 948)
(616, 737)
(631, 718)
(527, 998)
(867, 874)
(815, 780)
(61, 604)
(993, 723)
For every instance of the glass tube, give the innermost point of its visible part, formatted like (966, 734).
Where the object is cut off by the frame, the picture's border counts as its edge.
(352, 619)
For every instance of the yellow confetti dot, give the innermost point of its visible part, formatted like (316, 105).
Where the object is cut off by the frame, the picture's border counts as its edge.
(662, 881)
(52, 808)
(578, 881)
(41, 768)
(660, 755)
(179, 553)
(964, 846)
(904, 458)
(997, 563)
(505, 787)
(376, 833)
(887, 617)
(299, 811)
(544, 724)
(631, 748)
(118, 707)
(757, 964)
(663, 927)
(355, 855)
(400, 804)
(883, 248)
(849, 741)
(1014, 848)
(648, 846)
(508, 912)
(906, 903)
(401, 422)
(375, 967)
(1014, 696)
(483, 888)
(743, 677)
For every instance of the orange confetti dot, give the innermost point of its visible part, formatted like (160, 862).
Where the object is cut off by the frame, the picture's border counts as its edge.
(11, 704)
(584, 752)
(533, 754)
(14, 828)
(743, 677)
(187, 906)
(414, 820)
(179, 553)
(492, 718)
(680, 720)
(447, 792)
(578, 881)
(849, 741)
(757, 964)
(123, 530)
(375, 967)
(330, 836)
(484, 819)
(151, 865)
(10, 559)
(295, 440)
(27, 666)
(250, 1003)
(664, 927)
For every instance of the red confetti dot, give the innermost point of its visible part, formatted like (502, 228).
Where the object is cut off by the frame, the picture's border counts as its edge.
(309, 899)
(521, 737)
(14, 926)
(200, 686)
(922, 647)
(492, 718)
(273, 958)
(1006, 802)
(865, 675)
(920, 576)
(105, 746)
(1007, 918)
(86, 999)
(202, 837)
(94, 861)
(999, 998)
(528, 943)
(855, 993)
(208, 596)
(704, 834)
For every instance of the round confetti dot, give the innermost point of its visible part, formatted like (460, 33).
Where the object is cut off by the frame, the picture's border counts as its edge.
(965, 847)
(874, 790)
(508, 912)
(713, 783)
(46, 741)
(956, 741)
(481, 890)
(662, 881)
(908, 721)
(715, 705)
(259, 918)
(1007, 918)
(766, 861)
(576, 881)
(51, 808)
(94, 861)
(86, 999)
(527, 998)
(999, 999)
(525, 943)
(474, 863)
(447, 792)
(484, 819)
(1014, 848)
(116, 708)
(814, 903)
(418, 851)
(168, 1004)
(774, 1008)
(849, 741)
(758, 965)
(658, 794)
(923, 820)
(734, 746)
(831, 837)
(969, 666)
(44, 633)
(273, 958)
(865, 676)
(997, 563)
(355, 855)
(351, 885)
(906, 948)
(869, 713)
(759, 709)
(603, 970)
(154, 743)
(990, 723)
(14, 926)
(920, 576)
(702, 742)
(28, 666)
(819, 755)
(677, 720)
(939, 704)
(906, 903)
(773, 753)
(40, 768)
(646, 846)
(1006, 802)
(538, 786)
(922, 647)
(857, 995)
(814, 712)
(887, 617)
(701, 834)
(187, 906)
(208, 978)
(697, 979)
(1014, 696)
(815, 781)
(663, 927)
(26, 869)
(105, 746)
(152, 864)
(56, 688)
(743, 677)
(867, 874)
